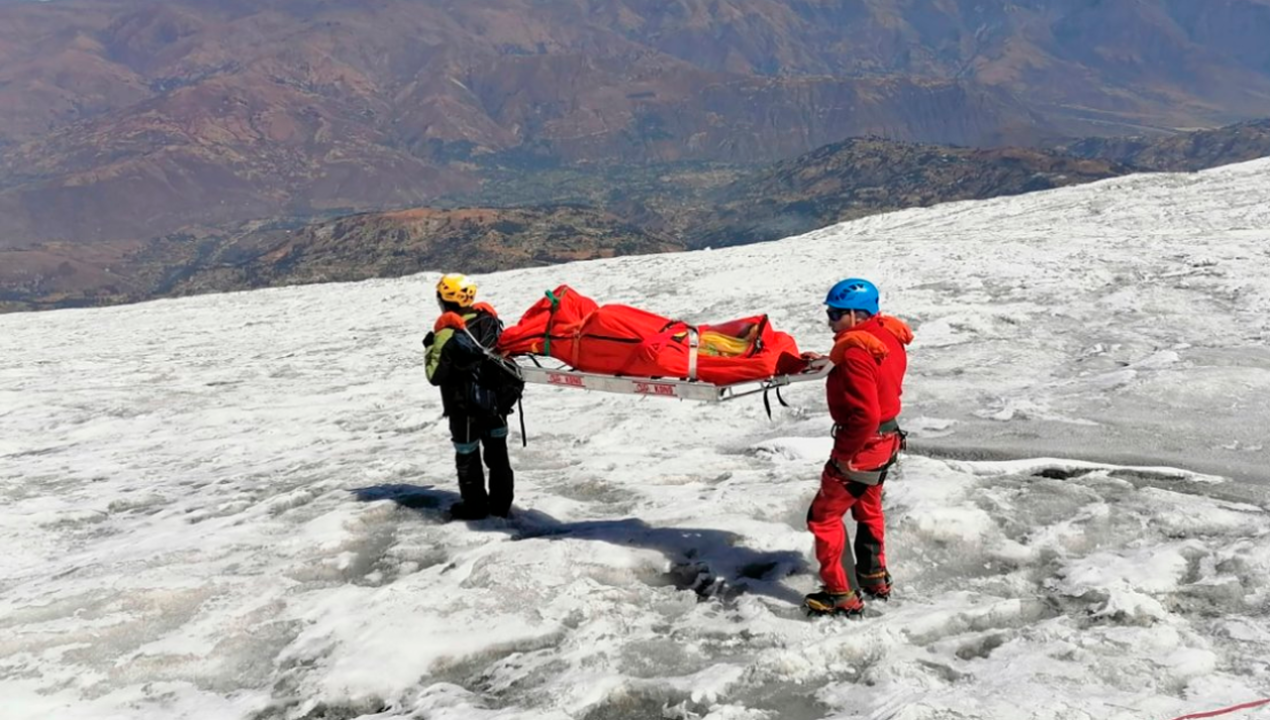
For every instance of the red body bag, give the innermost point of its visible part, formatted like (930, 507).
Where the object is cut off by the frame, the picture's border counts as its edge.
(622, 340)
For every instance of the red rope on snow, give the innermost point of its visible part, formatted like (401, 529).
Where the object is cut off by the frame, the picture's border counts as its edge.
(1223, 711)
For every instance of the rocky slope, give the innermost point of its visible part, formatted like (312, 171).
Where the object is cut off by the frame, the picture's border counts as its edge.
(866, 176)
(1181, 153)
(582, 212)
(347, 248)
(665, 209)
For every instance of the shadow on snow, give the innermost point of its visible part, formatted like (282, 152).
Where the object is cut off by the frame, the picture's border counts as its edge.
(709, 562)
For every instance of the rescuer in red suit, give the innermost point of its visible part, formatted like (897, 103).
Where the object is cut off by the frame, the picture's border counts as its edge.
(863, 391)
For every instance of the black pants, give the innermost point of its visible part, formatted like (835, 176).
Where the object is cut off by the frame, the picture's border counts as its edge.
(870, 560)
(469, 434)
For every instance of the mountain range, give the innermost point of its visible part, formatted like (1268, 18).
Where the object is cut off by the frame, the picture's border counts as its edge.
(142, 142)
(129, 119)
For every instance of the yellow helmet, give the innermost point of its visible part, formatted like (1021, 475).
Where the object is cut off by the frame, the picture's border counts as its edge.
(458, 289)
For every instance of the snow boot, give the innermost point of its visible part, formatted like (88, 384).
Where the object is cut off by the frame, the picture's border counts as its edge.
(876, 585)
(827, 603)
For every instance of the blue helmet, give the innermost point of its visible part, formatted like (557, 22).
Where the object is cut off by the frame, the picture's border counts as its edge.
(854, 294)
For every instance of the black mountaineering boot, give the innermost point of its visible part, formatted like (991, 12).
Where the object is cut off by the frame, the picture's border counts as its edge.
(827, 603)
(876, 585)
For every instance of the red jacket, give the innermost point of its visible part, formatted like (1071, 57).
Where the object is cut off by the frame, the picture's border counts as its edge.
(864, 387)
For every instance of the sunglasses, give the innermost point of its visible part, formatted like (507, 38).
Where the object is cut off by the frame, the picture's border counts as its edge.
(836, 314)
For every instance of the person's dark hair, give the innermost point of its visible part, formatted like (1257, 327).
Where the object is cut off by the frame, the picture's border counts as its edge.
(448, 306)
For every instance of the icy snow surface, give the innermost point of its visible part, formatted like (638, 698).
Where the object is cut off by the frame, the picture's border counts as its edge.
(230, 506)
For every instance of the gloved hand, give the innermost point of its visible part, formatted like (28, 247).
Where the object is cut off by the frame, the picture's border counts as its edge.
(812, 361)
(429, 339)
(450, 320)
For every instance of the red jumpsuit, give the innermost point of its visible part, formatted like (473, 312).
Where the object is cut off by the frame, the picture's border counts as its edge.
(863, 392)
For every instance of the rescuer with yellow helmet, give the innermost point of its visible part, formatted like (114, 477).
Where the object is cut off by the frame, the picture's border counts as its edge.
(476, 395)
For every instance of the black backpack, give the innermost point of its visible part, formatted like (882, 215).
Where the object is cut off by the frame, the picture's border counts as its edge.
(497, 387)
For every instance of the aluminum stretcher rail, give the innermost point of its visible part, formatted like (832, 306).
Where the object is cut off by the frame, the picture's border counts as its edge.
(564, 376)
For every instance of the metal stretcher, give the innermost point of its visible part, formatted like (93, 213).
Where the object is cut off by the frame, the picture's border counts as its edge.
(564, 376)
